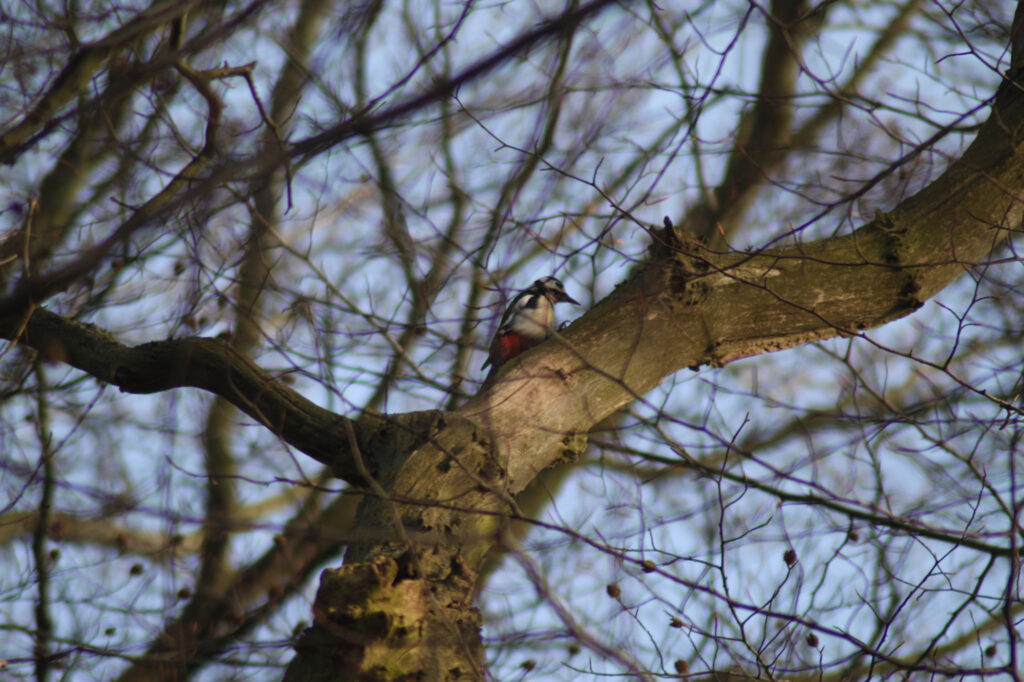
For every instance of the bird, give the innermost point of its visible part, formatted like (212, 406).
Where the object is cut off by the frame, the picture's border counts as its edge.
(528, 320)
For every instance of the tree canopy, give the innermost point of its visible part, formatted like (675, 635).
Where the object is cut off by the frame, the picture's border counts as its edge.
(779, 440)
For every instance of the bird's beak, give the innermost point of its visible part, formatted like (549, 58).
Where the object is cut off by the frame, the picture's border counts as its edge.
(566, 298)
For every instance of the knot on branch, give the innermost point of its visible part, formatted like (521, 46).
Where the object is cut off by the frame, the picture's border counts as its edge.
(573, 447)
(686, 262)
(898, 254)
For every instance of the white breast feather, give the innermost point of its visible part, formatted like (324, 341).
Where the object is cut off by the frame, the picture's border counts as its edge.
(533, 323)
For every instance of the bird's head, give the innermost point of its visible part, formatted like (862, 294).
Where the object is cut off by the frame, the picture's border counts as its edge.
(553, 289)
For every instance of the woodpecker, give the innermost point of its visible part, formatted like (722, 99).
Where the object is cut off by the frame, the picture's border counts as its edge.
(528, 320)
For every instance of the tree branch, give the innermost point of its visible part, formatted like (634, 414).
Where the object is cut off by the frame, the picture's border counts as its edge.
(197, 362)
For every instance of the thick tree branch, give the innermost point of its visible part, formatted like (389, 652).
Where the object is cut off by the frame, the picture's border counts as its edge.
(197, 362)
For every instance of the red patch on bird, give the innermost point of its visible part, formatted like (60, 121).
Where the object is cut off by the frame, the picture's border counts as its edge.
(511, 346)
